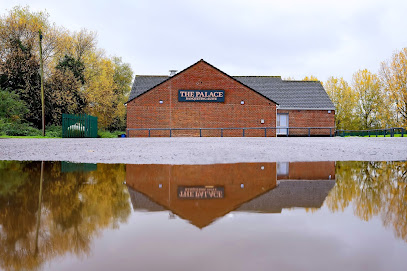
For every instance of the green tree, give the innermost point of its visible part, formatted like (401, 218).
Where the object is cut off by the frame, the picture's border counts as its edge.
(122, 78)
(75, 66)
(11, 107)
(19, 63)
(63, 96)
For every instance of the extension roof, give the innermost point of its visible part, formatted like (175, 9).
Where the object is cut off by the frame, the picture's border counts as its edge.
(286, 93)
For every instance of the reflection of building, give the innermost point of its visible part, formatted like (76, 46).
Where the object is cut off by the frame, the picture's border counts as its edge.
(246, 186)
(241, 183)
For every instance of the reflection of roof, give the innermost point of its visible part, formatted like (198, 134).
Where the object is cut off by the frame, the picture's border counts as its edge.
(141, 202)
(289, 194)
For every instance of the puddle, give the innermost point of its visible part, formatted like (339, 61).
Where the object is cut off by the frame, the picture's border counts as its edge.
(294, 216)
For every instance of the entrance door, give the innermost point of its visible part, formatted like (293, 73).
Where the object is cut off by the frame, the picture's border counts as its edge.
(282, 122)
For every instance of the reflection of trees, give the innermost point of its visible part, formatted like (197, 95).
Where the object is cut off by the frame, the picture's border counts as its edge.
(375, 188)
(75, 208)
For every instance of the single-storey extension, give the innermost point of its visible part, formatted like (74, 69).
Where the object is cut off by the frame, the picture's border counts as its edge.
(202, 96)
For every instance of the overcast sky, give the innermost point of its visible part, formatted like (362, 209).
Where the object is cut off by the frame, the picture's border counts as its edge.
(253, 37)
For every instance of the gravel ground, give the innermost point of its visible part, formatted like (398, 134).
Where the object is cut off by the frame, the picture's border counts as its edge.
(204, 150)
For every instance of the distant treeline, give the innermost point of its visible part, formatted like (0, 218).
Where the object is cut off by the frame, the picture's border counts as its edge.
(371, 100)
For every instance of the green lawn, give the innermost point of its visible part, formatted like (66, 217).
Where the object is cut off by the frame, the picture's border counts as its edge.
(101, 134)
(395, 135)
(6, 136)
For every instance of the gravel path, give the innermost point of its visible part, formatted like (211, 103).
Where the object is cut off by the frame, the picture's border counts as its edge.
(204, 150)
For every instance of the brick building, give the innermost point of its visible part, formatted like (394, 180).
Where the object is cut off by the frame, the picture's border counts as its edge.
(202, 96)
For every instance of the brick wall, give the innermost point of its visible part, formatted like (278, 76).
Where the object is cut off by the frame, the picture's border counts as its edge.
(146, 111)
(310, 118)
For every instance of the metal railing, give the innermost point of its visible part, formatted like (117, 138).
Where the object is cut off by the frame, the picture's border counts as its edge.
(279, 131)
(391, 132)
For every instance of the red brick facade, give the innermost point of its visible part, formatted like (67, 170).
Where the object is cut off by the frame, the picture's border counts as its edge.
(309, 118)
(146, 111)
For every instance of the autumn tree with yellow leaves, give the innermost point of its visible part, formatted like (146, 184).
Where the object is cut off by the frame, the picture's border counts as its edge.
(394, 77)
(344, 100)
(79, 77)
(367, 89)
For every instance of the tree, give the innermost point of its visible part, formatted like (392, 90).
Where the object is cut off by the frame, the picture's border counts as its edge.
(11, 107)
(63, 96)
(20, 74)
(74, 65)
(122, 78)
(394, 77)
(311, 78)
(79, 77)
(345, 102)
(367, 87)
(99, 90)
(19, 62)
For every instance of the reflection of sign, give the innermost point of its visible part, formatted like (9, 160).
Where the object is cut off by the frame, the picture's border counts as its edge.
(201, 95)
(201, 192)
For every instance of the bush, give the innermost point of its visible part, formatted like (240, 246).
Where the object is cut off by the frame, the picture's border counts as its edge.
(107, 134)
(25, 129)
(18, 129)
(53, 131)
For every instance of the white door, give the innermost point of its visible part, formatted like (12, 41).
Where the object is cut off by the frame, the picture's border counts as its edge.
(282, 124)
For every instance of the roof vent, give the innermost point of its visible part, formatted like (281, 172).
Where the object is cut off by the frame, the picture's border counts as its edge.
(173, 72)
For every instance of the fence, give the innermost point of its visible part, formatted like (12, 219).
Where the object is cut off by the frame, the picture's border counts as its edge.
(237, 131)
(373, 133)
(79, 125)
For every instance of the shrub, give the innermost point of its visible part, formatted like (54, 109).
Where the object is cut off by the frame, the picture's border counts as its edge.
(107, 134)
(18, 129)
(53, 131)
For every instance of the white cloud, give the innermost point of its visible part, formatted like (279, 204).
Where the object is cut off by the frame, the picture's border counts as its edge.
(289, 38)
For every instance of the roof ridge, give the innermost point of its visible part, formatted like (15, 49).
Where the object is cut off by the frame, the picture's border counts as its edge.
(303, 81)
(273, 76)
(152, 75)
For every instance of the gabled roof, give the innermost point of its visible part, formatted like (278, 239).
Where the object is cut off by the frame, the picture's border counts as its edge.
(290, 94)
(146, 82)
(287, 94)
(143, 83)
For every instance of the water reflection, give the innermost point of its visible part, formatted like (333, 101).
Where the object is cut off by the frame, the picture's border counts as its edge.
(254, 187)
(374, 189)
(53, 209)
(75, 207)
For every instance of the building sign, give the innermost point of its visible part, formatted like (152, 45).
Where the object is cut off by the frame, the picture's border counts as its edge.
(201, 192)
(201, 96)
